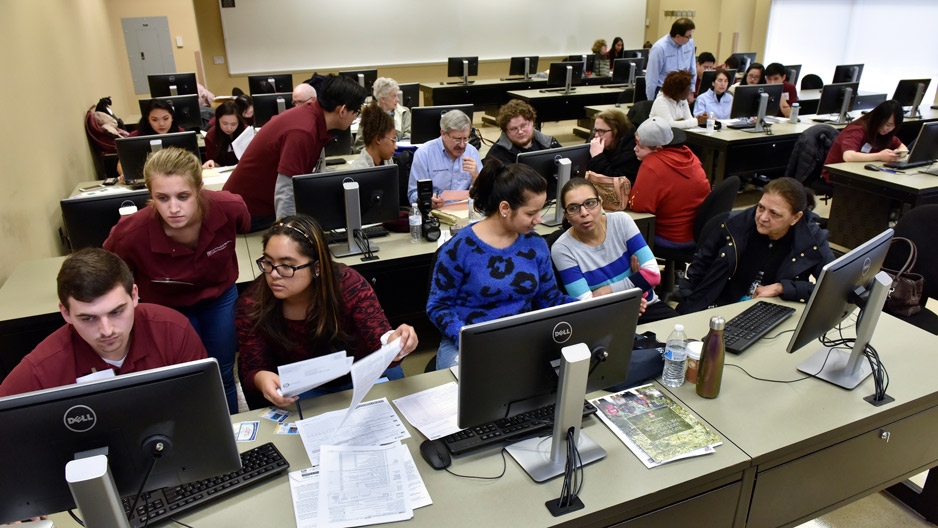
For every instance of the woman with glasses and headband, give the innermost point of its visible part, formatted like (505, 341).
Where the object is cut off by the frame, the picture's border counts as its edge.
(495, 267)
(181, 250)
(376, 129)
(603, 253)
(612, 147)
(307, 306)
(516, 119)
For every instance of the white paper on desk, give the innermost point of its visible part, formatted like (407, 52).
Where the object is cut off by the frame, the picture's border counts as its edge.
(240, 144)
(301, 376)
(417, 494)
(362, 485)
(432, 411)
(373, 423)
(450, 195)
(366, 371)
(304, 487)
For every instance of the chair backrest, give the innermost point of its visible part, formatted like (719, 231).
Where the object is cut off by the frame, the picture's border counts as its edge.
(639, 112)
(811, 82)
(918, 225)
(720, 200)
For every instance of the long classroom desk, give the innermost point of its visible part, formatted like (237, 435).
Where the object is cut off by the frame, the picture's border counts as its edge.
(863, 199)
(790, 451)
(483, 93)
(558, 106)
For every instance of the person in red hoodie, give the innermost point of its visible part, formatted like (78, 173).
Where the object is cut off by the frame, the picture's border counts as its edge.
(671, 182)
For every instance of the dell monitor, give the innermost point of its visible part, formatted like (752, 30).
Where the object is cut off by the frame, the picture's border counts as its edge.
(170, 84)
(641, 53)
(793, 73)
(365, 78)
(708, 76)
(589, 61)
(410, 94)
(563, 75)
(507, 366)
(557, 166)
(464, 67)
(186, 111)
(425, 121)
(910, 92)
(847, 73)
(525, 66)
(745, 59)
(853, 280)
(123, 417)
(88, 219)
(132, 152)
(266, 106)
(625, 71)
(837, 99)
(756, 100)
(924, 150)
(268, 84)
(349, 199)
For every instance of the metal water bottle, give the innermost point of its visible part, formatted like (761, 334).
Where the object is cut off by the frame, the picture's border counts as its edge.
(710, 374)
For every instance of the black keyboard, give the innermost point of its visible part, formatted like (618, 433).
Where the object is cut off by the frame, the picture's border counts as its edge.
(341, 237)
(748, 327)
(507, 430)
(907, 164)
(741, 126)
(257, 465)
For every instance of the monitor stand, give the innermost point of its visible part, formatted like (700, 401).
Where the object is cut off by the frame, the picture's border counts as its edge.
(564, 171)
(849, 370)
(95, 493)
(544, 458)
(760, 118)
(353, 222)
(914, 112)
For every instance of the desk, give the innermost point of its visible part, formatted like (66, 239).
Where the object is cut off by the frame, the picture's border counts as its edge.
(481, 93)
(558, 106)
(863, 198)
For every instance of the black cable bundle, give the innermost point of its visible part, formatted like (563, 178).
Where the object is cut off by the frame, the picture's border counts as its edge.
(361, 240)
(573, 478)
(880, 376)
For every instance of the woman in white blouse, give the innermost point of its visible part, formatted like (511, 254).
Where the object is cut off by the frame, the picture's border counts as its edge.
(671, 103)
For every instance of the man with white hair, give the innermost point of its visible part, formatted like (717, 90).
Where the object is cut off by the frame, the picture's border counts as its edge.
(304, 94)
(450, 161)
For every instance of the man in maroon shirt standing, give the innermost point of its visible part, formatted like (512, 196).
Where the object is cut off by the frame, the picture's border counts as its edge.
(289, 145)
(107, 332)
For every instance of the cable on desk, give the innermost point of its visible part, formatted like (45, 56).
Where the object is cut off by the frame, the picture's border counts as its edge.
(573, 479)
(361, 240)
(770, 380)
(500, 475)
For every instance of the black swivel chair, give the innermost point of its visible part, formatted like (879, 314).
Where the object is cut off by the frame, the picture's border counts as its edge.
(811, 82)
(639, 112)
(720, 200)
(918, 225)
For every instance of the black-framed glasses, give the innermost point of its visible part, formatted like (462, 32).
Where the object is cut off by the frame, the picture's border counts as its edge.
(574, 208)
(284, 270)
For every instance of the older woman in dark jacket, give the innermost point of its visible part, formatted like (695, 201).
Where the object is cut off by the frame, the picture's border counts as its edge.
(769, 250)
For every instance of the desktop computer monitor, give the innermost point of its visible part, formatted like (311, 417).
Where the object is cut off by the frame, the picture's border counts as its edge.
(88, 219)
(425, 121)
(516, 67)
(558, 74)
(365, 78)
(834, 98)
(462, 67)
(507, 366)
(546, 163)
(589, 61)
(186, 111)
(266, 106)
(349, 199)
(910, 92)
(793, 73)
(635, 54)
(622, 69)
(268, 84)
(847, 73)
(925, 146)
(182, 406)
(708, 76)
(849, 281)
(168, 84)
(410, 94)
(133, 151)
(745, 59)
(748, 99)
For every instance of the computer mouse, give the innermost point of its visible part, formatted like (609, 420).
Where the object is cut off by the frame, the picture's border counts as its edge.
(435, 453)
(872, 167)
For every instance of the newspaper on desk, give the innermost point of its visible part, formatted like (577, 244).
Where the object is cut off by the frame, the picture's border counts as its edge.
(654, 427)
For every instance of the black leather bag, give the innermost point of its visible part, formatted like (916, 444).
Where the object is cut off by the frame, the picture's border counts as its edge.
(905, 294)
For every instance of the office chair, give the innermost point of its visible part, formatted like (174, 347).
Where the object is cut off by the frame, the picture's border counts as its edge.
(639, 112)
(918, 225)
(808, 157)
(720, 200)
(811, 82)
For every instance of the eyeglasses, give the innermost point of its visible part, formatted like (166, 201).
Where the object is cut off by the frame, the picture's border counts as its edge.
(462, 140)
(284, 270)
(520, 128)
(392, 139)
(601, 131)
(574, 208)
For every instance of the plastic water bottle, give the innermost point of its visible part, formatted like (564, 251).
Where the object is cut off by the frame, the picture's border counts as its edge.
(711, 122)
(675, 358)
(416, 223)
(793, 116)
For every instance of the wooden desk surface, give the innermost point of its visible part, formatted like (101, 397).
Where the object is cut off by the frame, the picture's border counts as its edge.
(578, 91)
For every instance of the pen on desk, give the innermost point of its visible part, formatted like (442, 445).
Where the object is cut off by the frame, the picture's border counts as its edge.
(892, 171)
(299, 411)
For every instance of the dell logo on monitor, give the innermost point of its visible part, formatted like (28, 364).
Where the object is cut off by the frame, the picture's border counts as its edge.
(867, 264)
(80, 419)
(562, 332)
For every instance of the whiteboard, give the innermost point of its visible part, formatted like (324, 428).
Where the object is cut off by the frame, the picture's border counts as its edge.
(268, 36)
